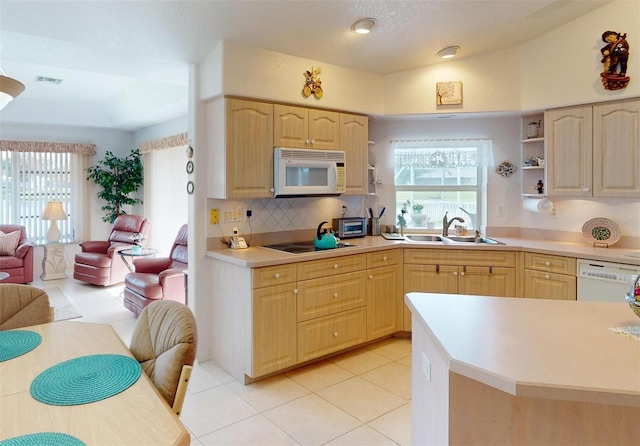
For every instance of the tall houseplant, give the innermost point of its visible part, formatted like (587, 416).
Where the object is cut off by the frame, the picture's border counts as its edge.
(118, 178)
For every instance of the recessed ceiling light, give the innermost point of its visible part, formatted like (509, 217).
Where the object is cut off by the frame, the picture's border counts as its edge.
(448, 52)
(363, 26)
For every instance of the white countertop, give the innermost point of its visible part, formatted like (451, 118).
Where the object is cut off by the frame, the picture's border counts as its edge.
(536, 347)
(257, 256)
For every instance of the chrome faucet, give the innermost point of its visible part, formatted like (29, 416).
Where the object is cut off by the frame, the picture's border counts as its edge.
(446, 223)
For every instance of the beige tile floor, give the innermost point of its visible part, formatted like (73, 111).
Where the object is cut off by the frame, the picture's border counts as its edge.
(359, 398)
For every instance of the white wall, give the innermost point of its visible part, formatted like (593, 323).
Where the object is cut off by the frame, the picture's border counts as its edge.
(562, 67)
(503, 130)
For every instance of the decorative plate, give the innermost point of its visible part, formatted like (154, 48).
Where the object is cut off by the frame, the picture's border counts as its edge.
(506, 169)
(601, 230)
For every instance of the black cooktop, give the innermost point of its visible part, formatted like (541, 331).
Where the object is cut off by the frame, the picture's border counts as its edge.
(302, 247)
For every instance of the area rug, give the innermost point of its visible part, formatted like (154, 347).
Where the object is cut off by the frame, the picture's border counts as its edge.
(63, 307)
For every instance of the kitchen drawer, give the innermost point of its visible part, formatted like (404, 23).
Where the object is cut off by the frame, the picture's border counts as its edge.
(541, 285)
(383, 258)
(460, 257)
(331, 267)
(274, 275)
(319, 337)
(321, 297)
(550, 263)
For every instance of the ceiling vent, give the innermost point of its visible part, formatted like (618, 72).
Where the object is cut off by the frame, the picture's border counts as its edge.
(48, 80)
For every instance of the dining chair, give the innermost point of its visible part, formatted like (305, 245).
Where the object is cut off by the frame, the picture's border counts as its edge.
(23, 305)
(164, 342)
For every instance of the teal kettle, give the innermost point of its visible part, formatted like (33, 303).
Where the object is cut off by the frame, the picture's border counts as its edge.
(325, 239)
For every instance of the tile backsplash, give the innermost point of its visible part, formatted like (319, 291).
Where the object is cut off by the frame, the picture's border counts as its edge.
(286, 214)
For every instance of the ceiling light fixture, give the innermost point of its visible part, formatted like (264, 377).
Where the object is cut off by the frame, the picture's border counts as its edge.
(448, 52)
(9, 89)
(363, 26)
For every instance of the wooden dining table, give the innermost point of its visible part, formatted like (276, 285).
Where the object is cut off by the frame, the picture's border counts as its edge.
(137, 416)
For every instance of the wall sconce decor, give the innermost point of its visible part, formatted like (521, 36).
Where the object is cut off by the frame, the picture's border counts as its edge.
(615, 55)
(449, 93)
(312, 84)
(54, 212)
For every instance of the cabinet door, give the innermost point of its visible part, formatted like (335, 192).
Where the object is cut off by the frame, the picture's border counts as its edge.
(543, 285)
(249, 149)
(616, 149)
(569, 158)
(354, 133)
(290, 126)
(431, 279)
(487, 281)
(274, 329)
(324, 130)
(383, 289)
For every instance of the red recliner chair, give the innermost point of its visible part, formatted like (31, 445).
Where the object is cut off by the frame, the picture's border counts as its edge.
(158, 278)
(99, 262)
(18, 265)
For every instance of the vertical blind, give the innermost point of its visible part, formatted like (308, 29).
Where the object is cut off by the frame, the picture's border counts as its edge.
(36, 173)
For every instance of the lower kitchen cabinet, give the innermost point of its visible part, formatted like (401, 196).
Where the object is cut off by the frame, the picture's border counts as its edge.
(274, 329)
(385, 301)
(490, 273)
(549, 277)
(321, 336)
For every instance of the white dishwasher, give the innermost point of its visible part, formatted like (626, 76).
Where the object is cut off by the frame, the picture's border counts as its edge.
(604, 281)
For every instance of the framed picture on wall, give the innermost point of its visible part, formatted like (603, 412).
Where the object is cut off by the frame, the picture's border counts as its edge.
(449, 93)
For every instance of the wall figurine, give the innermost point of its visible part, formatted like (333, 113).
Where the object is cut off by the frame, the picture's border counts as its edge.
(615, 55)
(312, 84)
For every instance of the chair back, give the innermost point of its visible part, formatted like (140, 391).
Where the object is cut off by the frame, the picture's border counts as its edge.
(179, 251)
(22, 306)
(164, 340)
(125, 226)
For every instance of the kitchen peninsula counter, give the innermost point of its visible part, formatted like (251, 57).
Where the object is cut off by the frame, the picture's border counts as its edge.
(492, 370)
(258, 256)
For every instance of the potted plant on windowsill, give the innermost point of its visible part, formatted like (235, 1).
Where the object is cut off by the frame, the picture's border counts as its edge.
(118, 179)
(417, 216)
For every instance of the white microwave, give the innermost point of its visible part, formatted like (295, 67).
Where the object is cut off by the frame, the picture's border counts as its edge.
(306, 172)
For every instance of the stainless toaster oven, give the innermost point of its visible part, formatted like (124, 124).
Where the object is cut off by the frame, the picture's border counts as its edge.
(350, 227)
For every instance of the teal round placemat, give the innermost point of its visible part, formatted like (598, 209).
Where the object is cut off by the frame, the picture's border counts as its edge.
(85, 379)
(14, 343)
(43, 439)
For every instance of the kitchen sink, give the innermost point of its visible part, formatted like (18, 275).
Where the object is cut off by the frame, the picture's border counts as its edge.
(471, 239)
(423, 237)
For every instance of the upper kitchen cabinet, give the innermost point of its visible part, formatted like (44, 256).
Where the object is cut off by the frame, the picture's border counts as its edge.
(354, 132)
(241, 164)
(594, 150)
(306, 128)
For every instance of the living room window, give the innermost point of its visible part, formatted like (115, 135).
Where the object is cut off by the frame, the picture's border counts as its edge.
(34, 173)
(432, 177)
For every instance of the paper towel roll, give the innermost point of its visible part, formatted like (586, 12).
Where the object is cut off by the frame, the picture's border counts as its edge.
(541, 205)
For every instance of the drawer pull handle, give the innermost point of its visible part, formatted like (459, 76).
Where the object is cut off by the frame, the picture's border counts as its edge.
(335, 266)
(295, 291)
(437, 268)
(547, 276)
(547, 263)
(277, 275)
(370, 276)
(335, 334)
(384, 258)
(462, 273)
(455, 273)
(335, 295)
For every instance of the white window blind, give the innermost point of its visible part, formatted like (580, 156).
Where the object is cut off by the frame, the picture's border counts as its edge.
(36, 173)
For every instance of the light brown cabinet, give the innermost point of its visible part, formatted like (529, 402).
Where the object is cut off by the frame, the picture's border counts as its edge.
(549, 277)
(241, 163)
(384, 293)
(274, 319)
(306, 128)
(354, 133)
(594, 150)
